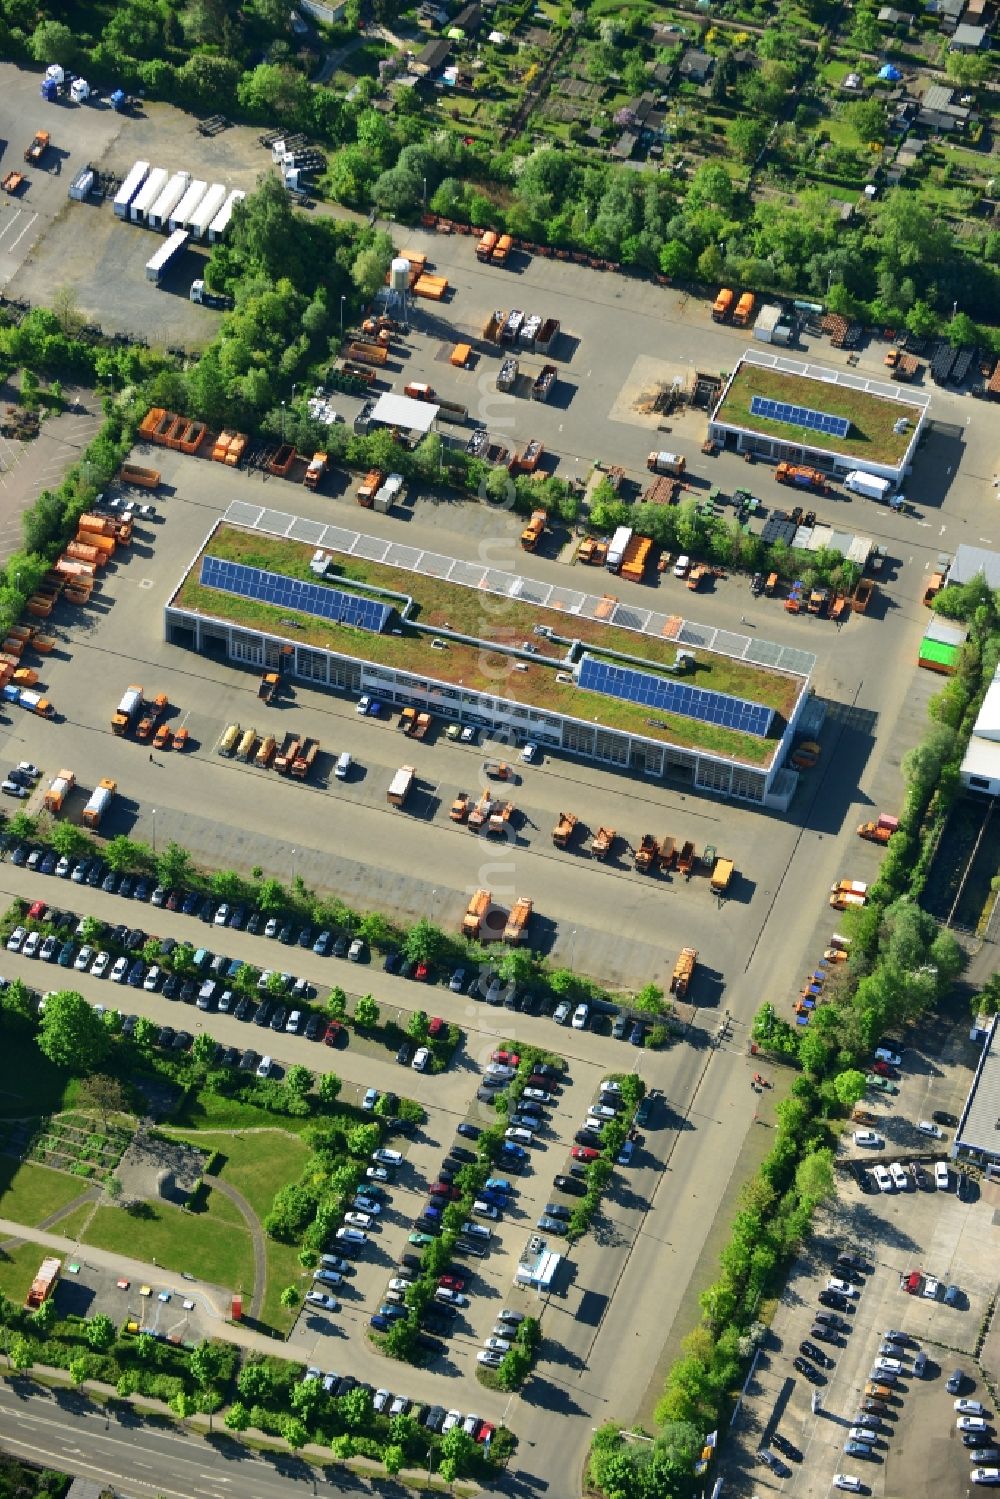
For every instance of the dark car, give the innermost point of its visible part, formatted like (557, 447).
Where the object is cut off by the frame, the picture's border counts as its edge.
(190, 903)
(816, 1354)
(135, 939)
(305, 937)
(286, 934)
(244, 1008)
(125, 886)
(470, 1131)
(806, 1369)
(834, 1300)
(137, 973)
(757, 584)
(873, 1407)
(785, 1446)
(262, 1014)
(95, 873)
(340, 945)
(166, 1036)
(847, 1261)
(189, 991)
(380, 1323)
(392, 961)
(587, 1137)
(142, 890)
(824, 1334)
(117, 935)
(973, 1438)
(248, 1060)
(238, 918)
(314, 1028)
(278, 1018)
(322, 944)
(254, 922)
(941, 1117)
(446, 1174)
(638, 1034)
(405, 1054)
(571, 1185)
(461, 1154)
(172, 986)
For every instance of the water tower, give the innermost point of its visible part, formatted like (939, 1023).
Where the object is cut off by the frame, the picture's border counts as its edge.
(399, 287)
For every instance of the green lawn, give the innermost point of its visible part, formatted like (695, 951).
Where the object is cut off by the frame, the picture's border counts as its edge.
(29, 1193)
(257, 1165)
(872, 419)
(210, 1111)
(206, 1244)
(29, 1083)
(283, 1269)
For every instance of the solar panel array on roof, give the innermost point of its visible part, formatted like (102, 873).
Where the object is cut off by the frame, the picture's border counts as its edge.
(800, 416)
(675, 697)
(294, 593)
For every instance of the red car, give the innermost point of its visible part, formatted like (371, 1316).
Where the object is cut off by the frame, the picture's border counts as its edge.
(584, 1153)
(37, 910)
(485, 1432)
(452, 1283)
(434, 1025)
(884, 1070)
(508, 1058)
(420, 973)
(333, 1033)
(442, 1189)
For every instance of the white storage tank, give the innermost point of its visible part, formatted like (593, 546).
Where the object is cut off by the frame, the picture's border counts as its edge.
(207, 210)
(159, 214)
(399, 275)
(148, 194)
(181, 216)
(130, 187)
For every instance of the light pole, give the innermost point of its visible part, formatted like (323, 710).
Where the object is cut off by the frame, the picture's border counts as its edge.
(154, 830)
(343, 299)
(293, 866)
(425, 194)
(282, 421)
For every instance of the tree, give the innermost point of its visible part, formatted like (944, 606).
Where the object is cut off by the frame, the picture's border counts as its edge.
(69, 841)
(101, 1333)
(255, 1382)
(393, 1458)
(52, 41)
(122, 854)
(173, 867)
(145, 1033)
(867, 119)
(747, 137)
(457, 1445)
(271, 896)
(962, 330)
(356, 1408)
(850, 1087)
(203, 1050)
(298, 1080)
(987, 1001)
(967, 69)
(19, 1000)
(20, 1354)
(294, 1431)
(416, 1026)
(921, 320)
(205, 1363)
(290, 1297)
(424, 942)
(79, 1369)
(362, 1139)
(182, 1404)
(71, 1034)
(329, 1088)
(373, 927)
(44, 1319)
(366, 1012)
(516, 965)
(369, 270)
(237, 1417)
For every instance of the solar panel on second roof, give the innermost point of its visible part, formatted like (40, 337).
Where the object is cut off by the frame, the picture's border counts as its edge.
(800, 416)
(650, 691)
(295, 593)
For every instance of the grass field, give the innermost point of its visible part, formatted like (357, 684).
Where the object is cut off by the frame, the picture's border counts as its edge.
(18, 1268)
(871, 434)
(206, 1244)
(29, 1193)
(503, 622)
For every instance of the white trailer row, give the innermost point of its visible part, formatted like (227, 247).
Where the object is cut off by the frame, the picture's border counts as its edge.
(169, 202)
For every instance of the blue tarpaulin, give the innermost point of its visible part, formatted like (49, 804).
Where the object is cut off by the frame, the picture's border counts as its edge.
(890, 73)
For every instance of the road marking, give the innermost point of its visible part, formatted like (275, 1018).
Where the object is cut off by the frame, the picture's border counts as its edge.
(12, 247)
(12, 222)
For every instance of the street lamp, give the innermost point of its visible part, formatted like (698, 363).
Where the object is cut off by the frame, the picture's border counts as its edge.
(154, 830)
(293, 866)
(282, 421)
(425, 193)
(343, 299)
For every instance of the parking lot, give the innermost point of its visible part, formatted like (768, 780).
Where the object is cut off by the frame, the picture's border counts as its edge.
(929, 1236)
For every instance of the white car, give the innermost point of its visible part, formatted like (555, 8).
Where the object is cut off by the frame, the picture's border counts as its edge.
(83, 959)
(356, 951)
(152, 978)
(484, 1209)
(498, 1345)
(887, 1366)
(399, 1406)
(535, 1095)
(932, 1289)
(359, 1220)
(119, 972)
(370, 1100)
(319, 1298)
(883, 1179)
(489, 1359)
(500, 1069)
(601, 1111)
(29, 769)
(386, 1157)
(682, 565)
(970, 1408)
(222, 915)
(882, 1054)
(842, 1287)
(610, 1086)
(377, 1174)
(63, 868)
(421, 1059)
(986, 1475)
(518, 1135)
(900, 1178)
(530, 753)
(869, 1138)
(450, 1420)
(32, 942)
(942, 1176)
(971, 1423)
(100, 967)
(561, 1013)
(381, 1400)
(848, 1482)
(580, 1017)
(16, 938)
(397, 1284)
(928, 1127)
(861, 1434)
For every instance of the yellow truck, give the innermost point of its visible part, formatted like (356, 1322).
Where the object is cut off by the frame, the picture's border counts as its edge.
(683, 970)
(517, 922)
(564, 829)
(228, 741)
(722, 875)
(472, 922)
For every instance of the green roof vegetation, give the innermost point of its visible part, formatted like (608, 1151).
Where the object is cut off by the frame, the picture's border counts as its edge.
(502, 625)
(872, 418)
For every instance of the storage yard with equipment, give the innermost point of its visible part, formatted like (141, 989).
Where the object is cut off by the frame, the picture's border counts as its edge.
(551, 739)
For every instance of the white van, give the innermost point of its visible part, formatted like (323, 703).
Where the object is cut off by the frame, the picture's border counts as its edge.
(264, 1067)
(343, 766)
